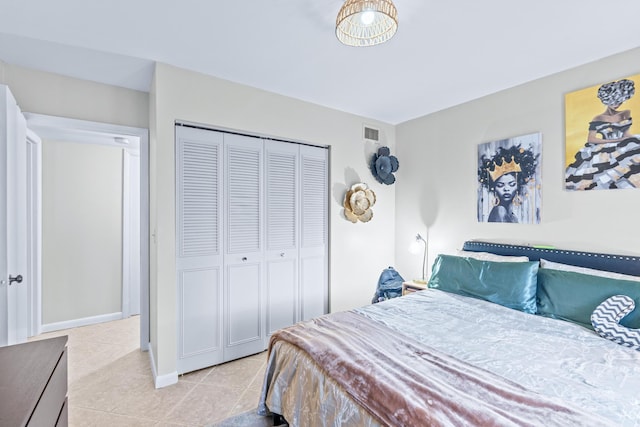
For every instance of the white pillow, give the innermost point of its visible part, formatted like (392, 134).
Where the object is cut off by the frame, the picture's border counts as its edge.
(487, 256)
(584, 270)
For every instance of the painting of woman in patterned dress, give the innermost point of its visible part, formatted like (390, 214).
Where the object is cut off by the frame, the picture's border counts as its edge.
(610, 158)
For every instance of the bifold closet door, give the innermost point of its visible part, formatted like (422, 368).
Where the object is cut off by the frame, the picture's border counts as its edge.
(314, 289)
(199, 248)
(282, 224)
(251, 242)
(244, 300)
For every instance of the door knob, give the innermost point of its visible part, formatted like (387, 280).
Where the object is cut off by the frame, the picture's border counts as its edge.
(12, 279)
(244, 258)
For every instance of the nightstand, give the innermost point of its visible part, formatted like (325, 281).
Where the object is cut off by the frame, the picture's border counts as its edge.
(411, 286)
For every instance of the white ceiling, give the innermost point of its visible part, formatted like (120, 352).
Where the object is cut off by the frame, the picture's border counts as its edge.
(444, 53)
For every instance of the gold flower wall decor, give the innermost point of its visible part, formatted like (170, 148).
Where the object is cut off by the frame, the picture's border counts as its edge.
(358, 202)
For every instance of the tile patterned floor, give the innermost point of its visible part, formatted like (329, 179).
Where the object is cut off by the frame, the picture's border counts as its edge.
(110, 383)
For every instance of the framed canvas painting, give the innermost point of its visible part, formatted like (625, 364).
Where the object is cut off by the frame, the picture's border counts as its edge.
(602, 145)
(509, 180)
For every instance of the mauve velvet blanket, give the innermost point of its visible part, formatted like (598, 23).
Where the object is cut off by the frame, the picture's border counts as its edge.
(401, 382)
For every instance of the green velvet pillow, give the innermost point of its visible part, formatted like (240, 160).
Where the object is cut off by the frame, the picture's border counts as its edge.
(572, 296)
(511, 284)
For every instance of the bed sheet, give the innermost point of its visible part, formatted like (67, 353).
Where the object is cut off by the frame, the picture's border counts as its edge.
(547, 356)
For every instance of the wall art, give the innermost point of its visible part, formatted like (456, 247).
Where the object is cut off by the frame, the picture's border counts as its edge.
(358, 201)
(509, 178)
(383, 165)
(602, 145)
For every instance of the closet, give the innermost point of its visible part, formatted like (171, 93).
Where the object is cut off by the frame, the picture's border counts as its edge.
(251, 249)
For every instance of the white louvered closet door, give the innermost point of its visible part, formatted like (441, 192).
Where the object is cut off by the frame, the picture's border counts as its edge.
(314, 169)
(281, 223)
(244, 250)
(199, 248)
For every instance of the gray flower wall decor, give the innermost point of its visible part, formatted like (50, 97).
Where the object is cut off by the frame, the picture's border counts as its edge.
(383, 165)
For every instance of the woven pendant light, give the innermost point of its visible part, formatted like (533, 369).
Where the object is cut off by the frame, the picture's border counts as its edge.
(366, 22)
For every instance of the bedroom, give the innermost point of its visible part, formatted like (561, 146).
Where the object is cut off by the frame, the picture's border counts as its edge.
(436, 181)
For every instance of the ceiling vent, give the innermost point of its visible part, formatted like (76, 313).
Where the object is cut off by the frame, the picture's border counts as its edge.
(371, 134)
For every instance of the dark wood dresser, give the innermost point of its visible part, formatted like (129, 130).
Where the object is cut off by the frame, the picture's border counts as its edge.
(33, 384)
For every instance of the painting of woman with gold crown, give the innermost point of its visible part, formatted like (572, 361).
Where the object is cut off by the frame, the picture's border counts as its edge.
(509, 180)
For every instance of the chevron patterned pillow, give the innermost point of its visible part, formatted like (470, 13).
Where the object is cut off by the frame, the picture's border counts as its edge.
(606, 317)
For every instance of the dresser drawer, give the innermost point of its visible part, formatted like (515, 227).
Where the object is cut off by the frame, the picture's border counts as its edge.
(33, 383)
(53, 398)
(63, 419)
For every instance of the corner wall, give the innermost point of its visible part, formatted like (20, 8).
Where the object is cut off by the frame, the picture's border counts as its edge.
(358, 252)
(438, 154)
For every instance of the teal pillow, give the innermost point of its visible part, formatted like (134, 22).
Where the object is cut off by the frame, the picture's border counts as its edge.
(572, 296)
(511, 284)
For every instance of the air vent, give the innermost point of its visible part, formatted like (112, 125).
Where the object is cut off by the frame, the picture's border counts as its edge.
(371, 134)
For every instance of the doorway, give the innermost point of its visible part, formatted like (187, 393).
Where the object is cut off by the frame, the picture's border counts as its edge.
(128, 150)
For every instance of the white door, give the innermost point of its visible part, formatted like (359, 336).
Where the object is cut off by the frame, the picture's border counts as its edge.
(281, 224)
(244, 256)
(13, 225)
(313, 232)
(199, 248)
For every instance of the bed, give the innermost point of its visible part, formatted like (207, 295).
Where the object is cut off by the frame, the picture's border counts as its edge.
(473, 349)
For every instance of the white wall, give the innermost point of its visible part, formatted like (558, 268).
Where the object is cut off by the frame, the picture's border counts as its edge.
(358, 252)
(81, 230)
(56, 95)
(439, 174)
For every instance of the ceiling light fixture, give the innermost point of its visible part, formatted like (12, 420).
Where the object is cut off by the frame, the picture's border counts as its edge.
(366, 22)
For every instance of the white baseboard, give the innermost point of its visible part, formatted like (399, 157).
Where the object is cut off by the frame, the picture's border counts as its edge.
(50, 327)
(161, 380)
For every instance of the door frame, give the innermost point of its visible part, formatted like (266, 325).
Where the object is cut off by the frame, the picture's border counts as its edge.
(73, 130)
(34, 232)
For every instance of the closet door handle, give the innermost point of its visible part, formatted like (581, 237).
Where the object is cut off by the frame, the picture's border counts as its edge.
(282, 254)
(244, 258)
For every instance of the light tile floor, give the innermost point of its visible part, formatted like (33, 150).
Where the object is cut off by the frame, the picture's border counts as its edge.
(111, 384)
